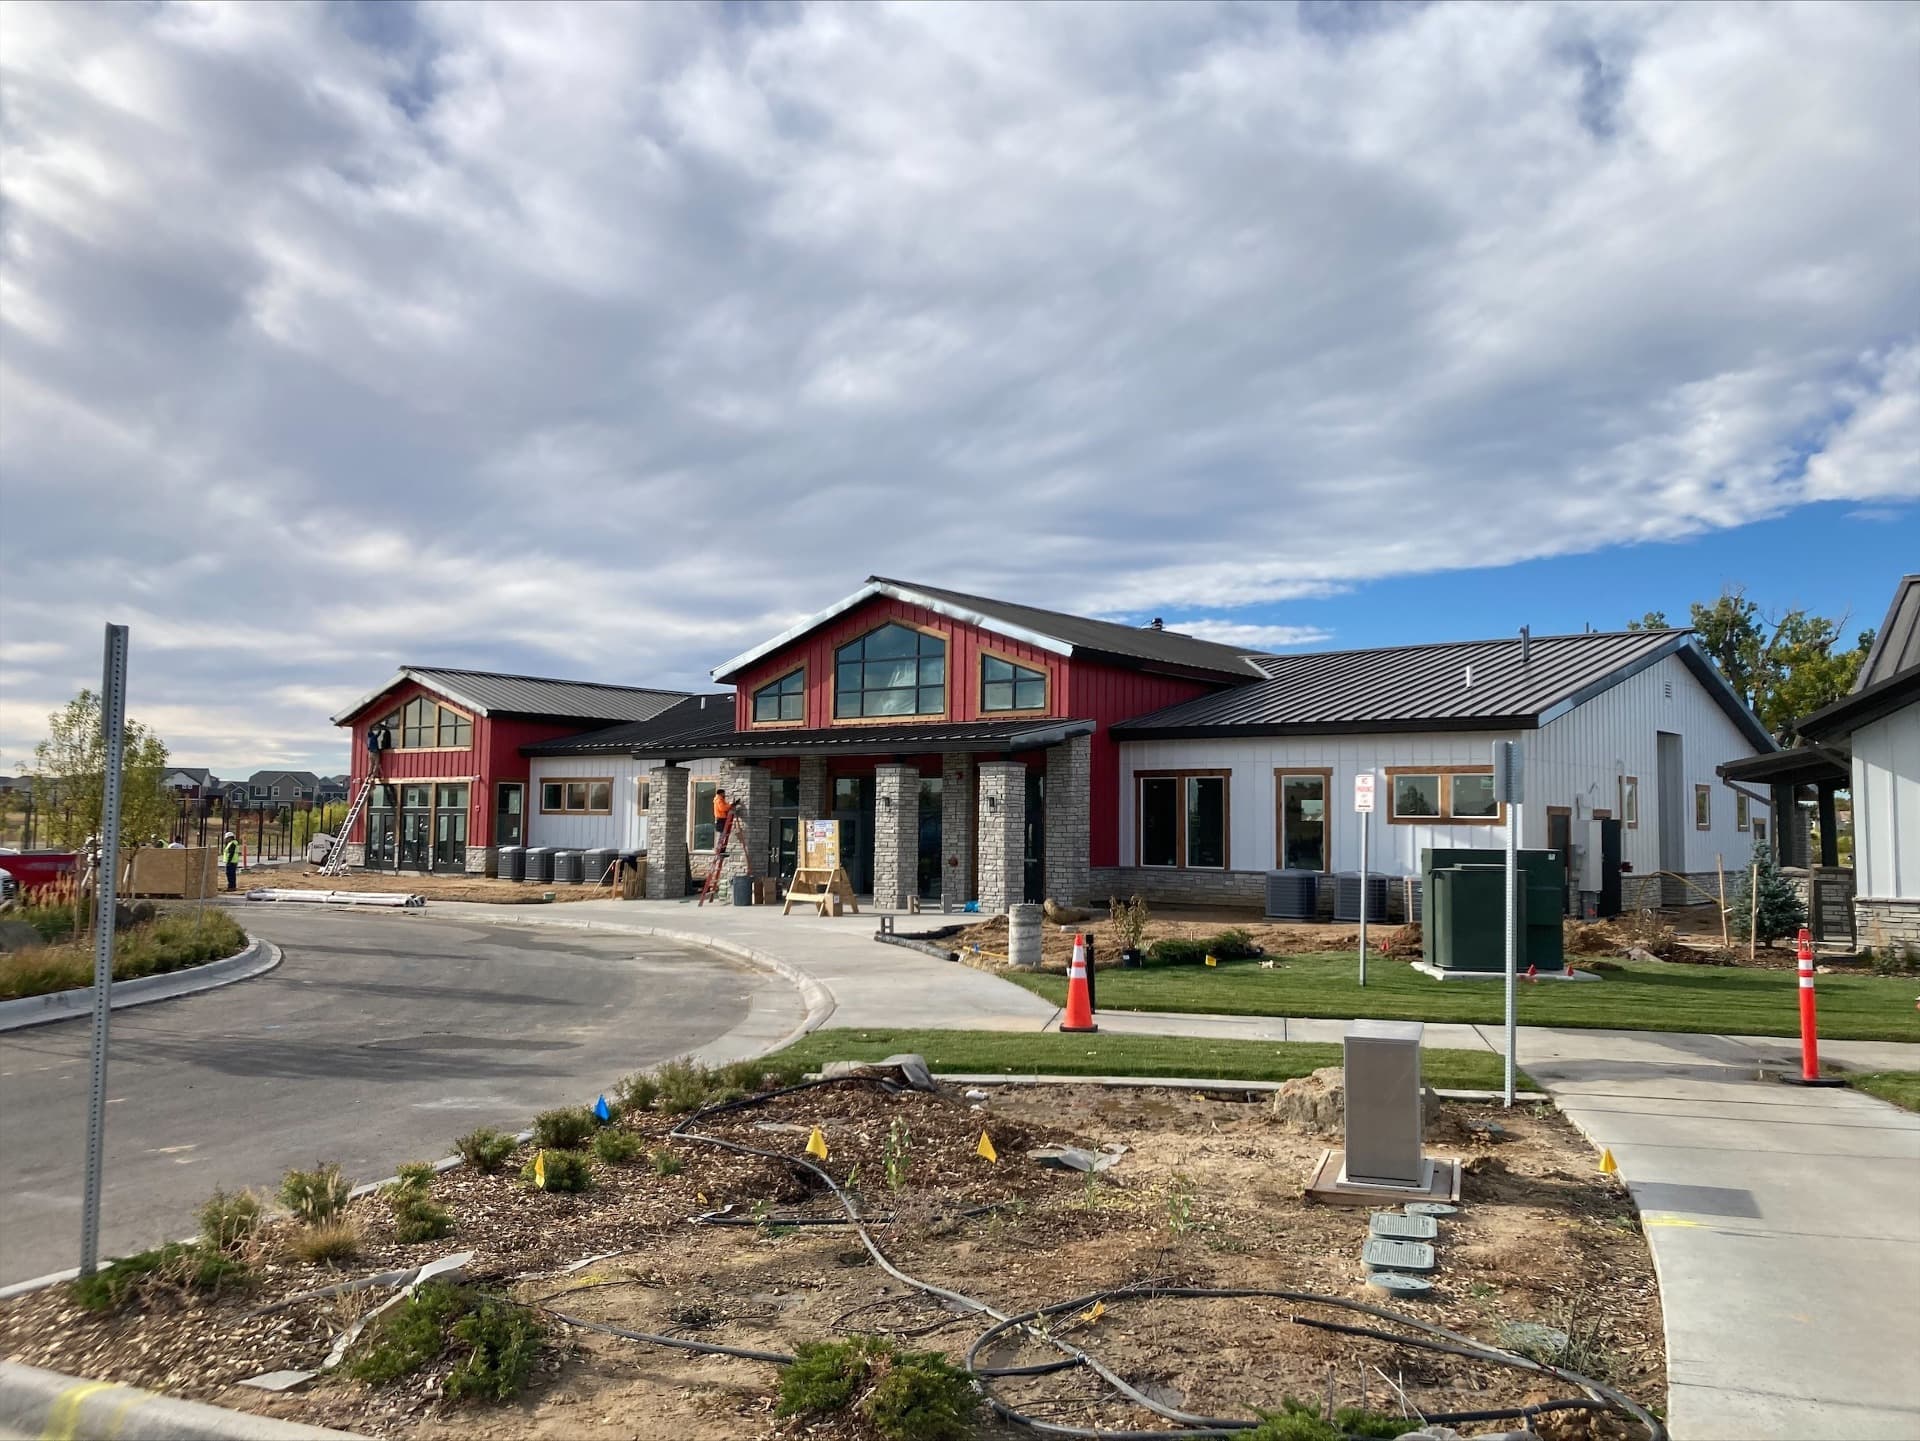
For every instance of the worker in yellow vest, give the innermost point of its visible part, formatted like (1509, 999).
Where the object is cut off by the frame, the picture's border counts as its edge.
(230, 857)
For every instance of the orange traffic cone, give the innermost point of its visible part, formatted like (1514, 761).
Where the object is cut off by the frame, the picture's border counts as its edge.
(1079, 1015)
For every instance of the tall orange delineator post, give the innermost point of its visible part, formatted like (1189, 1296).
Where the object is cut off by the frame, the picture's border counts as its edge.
(1809, 1022)
(1079, 1015)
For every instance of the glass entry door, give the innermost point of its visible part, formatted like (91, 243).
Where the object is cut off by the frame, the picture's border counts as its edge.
(932, 793)
(1035, 870)
(450, 828)
(1303, 821)
(509, 816)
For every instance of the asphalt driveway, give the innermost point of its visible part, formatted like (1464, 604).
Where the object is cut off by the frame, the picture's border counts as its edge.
(379, 1038)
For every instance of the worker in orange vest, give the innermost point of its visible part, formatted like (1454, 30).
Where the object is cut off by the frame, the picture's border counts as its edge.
(722, 818)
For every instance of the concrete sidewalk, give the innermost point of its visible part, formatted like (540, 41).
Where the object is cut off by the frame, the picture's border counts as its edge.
(1784, 1223)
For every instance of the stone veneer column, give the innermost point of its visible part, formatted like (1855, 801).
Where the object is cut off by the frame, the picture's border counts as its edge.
(813, 789)
(667, 833)
(1002, 847)
(1069, 821)
(750, 789)
(956, 829)
(896, 836)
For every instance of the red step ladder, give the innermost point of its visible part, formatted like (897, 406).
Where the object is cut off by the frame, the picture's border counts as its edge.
(712, 882)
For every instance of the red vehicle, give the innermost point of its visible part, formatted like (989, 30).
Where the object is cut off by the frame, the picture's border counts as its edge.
(37, 868)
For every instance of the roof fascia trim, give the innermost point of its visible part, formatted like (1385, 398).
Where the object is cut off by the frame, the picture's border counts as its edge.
(406, 673)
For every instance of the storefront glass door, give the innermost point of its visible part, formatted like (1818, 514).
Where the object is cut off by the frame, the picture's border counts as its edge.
(932, 788)
(416, 828)
(509, 817)
(450, 828)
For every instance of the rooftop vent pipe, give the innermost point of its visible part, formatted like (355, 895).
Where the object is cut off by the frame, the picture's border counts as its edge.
(1467, 679)
(1526, 644)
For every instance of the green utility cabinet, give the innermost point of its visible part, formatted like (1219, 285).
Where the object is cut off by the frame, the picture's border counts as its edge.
(1466, 909)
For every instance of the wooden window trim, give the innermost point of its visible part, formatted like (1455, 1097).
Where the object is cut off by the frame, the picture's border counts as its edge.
(1046, 683)
(1280, 815)
(1629, 816)
(399, 730)
(563, 782)
(774, 725)
(1446, 816)
(834, 717)
(1699, 791)
(1225, 777)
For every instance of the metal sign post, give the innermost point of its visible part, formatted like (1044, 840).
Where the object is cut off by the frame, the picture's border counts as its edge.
(1363, 807)
(1506, 791)
(113, 724)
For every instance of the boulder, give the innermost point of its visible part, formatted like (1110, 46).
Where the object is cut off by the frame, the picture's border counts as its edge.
(19, 936)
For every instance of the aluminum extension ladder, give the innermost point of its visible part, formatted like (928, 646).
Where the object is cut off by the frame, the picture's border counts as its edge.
(336, 858)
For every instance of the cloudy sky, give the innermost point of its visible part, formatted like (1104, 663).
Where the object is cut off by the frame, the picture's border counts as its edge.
(606, 341)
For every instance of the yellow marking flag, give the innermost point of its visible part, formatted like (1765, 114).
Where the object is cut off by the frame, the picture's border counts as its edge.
(985, 1148)
(1608, 1166)
(540, 1169)
(1211, 961)
(817, 1145)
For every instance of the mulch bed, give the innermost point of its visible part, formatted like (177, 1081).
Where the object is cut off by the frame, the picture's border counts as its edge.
(1207, 1193)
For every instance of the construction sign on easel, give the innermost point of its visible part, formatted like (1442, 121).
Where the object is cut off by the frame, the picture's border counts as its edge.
(820, 878)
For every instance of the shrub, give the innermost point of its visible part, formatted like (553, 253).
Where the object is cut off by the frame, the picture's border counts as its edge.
(564, 1170)
(179, 1263)
(685, 1086)
(409, 1336)
(1229, 945)
(746, 1077)
(416, 1218)
(637, 1092)
(665, 1162)
(903, 1396)
(315, 1196)
(326, 1243)
(1779, 911)
(563, 1130)
(503, 1341)
(1297, 1421)
(226, 1221)
(485, 1149)
(1129, 919)
(614, 1145)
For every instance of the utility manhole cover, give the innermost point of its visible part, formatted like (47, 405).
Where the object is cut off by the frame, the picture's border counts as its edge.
(1403, 1228)
(1397, 1284)
(1398, 1255)
(1431, 1208)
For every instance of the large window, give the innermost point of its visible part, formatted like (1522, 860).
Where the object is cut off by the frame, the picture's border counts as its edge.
(422, 724)
(892, 671)
(1449, 795)
(1302, 800)
(591, 796)
(700, 831)
(1182, 821)
(781, 701)
(1006, 686)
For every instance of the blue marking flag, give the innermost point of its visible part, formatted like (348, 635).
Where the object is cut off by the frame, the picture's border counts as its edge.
(602, 1111)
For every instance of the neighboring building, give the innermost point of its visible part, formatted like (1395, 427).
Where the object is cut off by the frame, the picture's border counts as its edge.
(270, 790)
(331, 789)
(237, 794)
(1628, 725)
(455, 782)
(191, 781)
(1876, 731)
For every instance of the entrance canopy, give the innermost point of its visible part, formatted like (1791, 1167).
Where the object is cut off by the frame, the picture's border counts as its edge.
(862, 740)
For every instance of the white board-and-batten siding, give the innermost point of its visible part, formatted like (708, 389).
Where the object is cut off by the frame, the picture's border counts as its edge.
(1886, 807)
(624, 828)
(1574, 762)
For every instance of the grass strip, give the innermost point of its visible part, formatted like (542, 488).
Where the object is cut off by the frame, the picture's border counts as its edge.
(1900, 1087)
(170, 942)
(1047, 1053)
(1639, 996)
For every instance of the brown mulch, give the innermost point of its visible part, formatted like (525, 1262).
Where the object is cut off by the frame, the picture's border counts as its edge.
(1208, 1192)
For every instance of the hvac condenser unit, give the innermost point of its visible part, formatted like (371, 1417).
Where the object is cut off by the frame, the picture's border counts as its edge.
(1383, 1105)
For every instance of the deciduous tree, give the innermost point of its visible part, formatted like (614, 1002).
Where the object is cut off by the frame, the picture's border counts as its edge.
(69, 778)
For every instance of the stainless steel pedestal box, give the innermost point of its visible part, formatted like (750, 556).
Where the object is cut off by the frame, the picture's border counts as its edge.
(1383, 1104)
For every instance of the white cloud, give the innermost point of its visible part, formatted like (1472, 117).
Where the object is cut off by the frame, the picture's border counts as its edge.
(607, 340)
(1252, 637)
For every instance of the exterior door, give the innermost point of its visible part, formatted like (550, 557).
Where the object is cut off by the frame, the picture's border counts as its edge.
(450, 829)
(380, 840)
(1560, 840)
(1303, 821)
(932, 793)
(784, 848)
(510, 814)
(1673, 818)
(1035, 879)
(853, 808)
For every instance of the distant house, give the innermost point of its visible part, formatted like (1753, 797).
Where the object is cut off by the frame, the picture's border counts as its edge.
(272, 789)
(190, 781)
(331, 789)
(9, 784)
(237, 794)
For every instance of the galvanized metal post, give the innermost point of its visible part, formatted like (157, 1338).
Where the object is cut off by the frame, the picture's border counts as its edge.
(1506, 790)
(1365, 817)
(113, 722)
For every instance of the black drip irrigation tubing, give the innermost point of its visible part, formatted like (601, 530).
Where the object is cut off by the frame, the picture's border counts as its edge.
(1599, 1397)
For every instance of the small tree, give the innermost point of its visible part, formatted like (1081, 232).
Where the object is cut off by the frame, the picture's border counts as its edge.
(69, 778)
(1779, 911)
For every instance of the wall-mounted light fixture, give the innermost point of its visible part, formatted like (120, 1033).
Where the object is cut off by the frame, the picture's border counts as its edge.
(993, 803)
(886, 803)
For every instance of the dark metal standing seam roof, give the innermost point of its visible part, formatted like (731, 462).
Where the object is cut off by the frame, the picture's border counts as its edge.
(499, 694)
(688, 719)
(1139, 643)
(1896, 645)
(905, 739)
(1427, 687)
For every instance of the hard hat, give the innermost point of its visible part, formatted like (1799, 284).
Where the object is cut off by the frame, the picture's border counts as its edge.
(228, 836)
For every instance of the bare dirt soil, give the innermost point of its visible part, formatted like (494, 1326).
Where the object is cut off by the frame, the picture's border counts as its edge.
(1208, 1193)
(1291, 938)
(434, 888)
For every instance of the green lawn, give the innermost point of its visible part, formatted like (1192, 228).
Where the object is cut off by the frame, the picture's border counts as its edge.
(1641, 996)
(1900, 1087)
(1046, 1053)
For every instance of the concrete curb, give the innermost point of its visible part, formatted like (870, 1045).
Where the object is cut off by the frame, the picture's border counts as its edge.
(36, 1403)
(256, 960)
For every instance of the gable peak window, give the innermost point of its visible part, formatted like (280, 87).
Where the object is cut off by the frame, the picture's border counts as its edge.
(423, 724)
(894, 670)
(1007, 686)
(782, 700)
